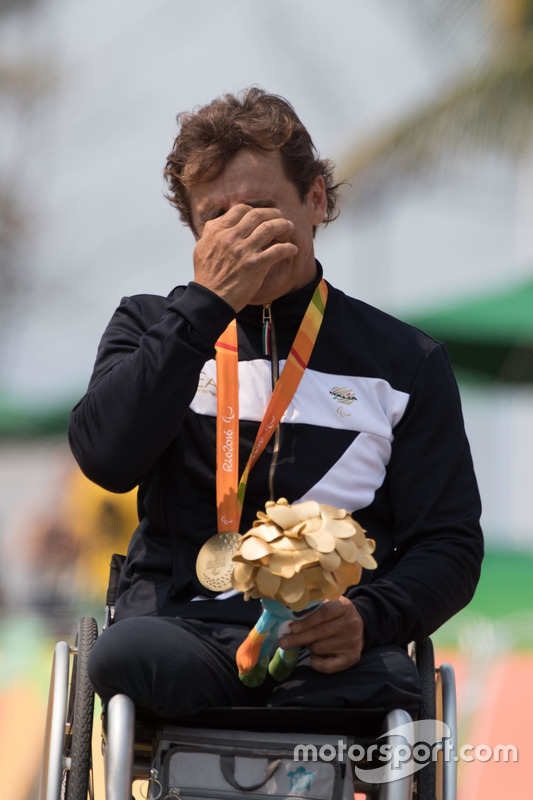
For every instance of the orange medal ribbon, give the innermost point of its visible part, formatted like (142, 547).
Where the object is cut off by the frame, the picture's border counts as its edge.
(231, 491)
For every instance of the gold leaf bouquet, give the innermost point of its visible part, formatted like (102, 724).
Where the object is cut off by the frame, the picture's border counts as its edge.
(293, 558)
(302, 553)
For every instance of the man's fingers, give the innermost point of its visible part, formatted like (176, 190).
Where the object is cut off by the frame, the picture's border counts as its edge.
(228, 219)
(330, 646)
(252, 231)
(327, 613)
(273, 253)
(320, 631)
(269, 233)
(255, 217)
(335, 663)
(334, 636)
(259, 228)
(244, 219)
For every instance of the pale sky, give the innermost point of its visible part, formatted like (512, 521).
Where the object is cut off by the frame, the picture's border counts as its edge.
(92, 154)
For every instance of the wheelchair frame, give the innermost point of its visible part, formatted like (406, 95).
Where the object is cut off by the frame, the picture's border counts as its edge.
(129, 745)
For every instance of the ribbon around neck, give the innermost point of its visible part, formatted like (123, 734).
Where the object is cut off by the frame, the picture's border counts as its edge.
(230, 490)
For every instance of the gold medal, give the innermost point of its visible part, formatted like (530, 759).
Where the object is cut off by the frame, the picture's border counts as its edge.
(214, 565)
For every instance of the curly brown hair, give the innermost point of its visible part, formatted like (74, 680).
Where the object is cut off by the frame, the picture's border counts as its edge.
(210, 136)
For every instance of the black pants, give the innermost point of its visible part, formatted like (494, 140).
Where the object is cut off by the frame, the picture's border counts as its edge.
(172, 667)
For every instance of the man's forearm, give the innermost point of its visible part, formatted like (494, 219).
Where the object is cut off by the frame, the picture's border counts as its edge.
(144, 380)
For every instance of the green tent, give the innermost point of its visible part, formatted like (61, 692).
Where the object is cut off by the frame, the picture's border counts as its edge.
(488, 337)
(20, 419)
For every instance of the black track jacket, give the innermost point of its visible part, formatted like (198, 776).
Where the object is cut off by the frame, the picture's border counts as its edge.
(375, 427)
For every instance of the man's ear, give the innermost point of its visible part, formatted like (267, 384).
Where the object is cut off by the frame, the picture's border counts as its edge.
(317, 201)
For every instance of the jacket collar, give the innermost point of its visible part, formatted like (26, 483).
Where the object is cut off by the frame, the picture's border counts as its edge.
(286, 310)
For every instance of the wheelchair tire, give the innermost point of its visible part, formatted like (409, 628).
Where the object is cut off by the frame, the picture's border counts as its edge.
(76, 780)
(424, 656)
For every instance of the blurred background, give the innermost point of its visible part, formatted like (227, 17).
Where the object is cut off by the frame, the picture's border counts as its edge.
(426, 106)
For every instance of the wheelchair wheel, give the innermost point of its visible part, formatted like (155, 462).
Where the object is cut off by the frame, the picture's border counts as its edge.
(424, 657)
(79, 722)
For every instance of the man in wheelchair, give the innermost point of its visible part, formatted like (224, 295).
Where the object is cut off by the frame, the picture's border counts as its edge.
(187, 402)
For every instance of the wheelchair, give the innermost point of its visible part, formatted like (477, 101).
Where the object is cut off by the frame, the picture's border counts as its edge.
(132, 746)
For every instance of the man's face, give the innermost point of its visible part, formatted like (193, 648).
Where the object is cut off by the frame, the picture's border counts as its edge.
(258, 179)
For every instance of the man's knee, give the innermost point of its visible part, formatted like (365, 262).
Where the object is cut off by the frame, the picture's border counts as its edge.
(106, 662)
(120, 657)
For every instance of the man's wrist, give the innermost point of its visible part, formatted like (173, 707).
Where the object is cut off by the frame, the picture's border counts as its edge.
(207, 314)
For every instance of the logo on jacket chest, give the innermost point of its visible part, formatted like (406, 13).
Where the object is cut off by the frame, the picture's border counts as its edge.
(207, 384)
(344, 397)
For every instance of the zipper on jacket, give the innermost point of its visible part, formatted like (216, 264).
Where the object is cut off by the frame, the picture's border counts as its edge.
(270, 348)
